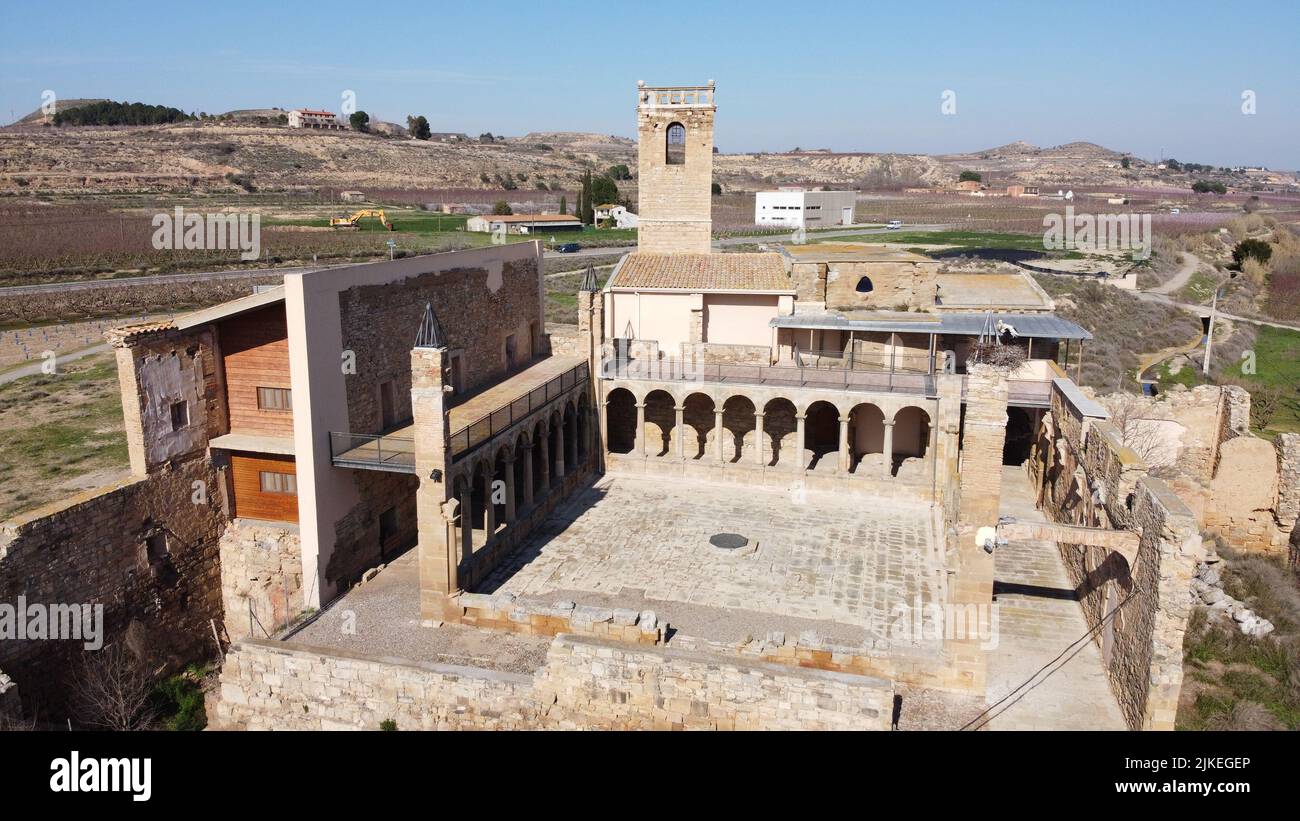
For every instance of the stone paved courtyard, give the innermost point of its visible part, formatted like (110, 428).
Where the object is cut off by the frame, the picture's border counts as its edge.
(834, 563)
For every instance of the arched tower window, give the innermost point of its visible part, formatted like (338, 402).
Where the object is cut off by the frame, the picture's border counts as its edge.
(676, 144)
(864, 286)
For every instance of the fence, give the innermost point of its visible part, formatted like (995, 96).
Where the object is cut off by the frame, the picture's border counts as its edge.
(391, 452)
(485, 427)
(786, 376)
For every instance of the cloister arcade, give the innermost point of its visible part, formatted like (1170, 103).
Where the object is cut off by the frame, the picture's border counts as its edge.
(881, 436)
(515, 473)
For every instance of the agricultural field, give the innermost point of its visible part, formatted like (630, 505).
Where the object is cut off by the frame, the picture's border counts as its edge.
(60, 433)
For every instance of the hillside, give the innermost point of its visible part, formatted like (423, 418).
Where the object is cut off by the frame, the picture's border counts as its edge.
(38, 116)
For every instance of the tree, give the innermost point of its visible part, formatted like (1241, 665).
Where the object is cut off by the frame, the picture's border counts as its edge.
(113, 691)
(501, 208)
(419, 127)
(716, 189)
(970, 176)
(1124, 163)
(1209, 187)
(603, 191)
(1251, 249)
(564, 204)
(486, 137)
(359, 120)
(587, 213)
(619, 172)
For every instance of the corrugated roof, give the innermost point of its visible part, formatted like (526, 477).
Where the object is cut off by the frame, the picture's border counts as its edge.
(232, 308)
(529, 218)
(1038, 326)
(702, 272)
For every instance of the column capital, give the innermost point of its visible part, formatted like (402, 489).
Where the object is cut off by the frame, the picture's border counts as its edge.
(846, 419)
(889, 422)
(759, 414)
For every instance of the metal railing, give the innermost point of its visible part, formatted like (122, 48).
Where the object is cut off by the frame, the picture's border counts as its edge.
(865, 361)
(390, 452)
(1035, 393)
(485, 427)
(791, 376)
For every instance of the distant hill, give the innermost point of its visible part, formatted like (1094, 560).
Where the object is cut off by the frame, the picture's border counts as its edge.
(38, 116)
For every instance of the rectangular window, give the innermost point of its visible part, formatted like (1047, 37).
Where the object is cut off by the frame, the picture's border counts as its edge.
(180, 415)
(274, 399)
(387, 525)
(273, 482)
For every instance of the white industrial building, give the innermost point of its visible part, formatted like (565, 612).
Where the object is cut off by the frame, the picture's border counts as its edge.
(797, 208)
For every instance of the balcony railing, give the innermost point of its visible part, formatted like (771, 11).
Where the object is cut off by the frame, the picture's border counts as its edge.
(865, 361)
(1024, 393)
(394, 452)
(785, 376)
(485, 427)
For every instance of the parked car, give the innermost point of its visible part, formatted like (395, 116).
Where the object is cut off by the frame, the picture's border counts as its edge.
(569, 248)
(894, 225)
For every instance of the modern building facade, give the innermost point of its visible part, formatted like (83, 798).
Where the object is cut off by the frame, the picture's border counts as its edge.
(804, 209)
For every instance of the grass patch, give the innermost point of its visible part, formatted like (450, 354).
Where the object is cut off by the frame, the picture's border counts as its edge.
(56, 428)
(562, 295)
(179, 700)
(961, 239)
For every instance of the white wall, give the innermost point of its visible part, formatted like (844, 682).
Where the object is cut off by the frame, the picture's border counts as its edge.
(663, 317)
(808, 209)
(739, 319)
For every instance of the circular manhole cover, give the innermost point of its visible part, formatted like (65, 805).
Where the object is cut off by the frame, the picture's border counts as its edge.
(728, 541)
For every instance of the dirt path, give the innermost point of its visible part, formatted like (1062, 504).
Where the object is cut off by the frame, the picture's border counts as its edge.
(1189, 266)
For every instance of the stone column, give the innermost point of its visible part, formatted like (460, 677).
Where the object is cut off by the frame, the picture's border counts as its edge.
(510, 491)
(559, 449)
(545, 485)
(889, 448)
(434, 499)
(844, 444)
(802, 461)
(679, 428)
(528, 476)
(602, 435)
(758, 438)
(489, 509)
(466, 524)
(640, 429)
(718, 433)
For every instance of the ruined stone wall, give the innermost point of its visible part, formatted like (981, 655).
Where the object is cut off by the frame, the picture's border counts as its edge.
(894, 285)
(1087, 476)
(585, 683)
(92, 548)
(357, 546)
(718, 353)
(379, 324)
(261, 572)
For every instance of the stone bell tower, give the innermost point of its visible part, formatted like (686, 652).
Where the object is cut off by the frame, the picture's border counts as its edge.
(675, 168)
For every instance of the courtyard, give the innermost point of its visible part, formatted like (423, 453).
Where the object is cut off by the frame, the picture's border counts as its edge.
(832, 563)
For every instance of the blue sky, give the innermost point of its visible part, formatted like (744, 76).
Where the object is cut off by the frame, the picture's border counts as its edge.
(1156, 79)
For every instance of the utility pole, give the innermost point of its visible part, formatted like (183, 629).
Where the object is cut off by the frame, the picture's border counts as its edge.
(1209, 332)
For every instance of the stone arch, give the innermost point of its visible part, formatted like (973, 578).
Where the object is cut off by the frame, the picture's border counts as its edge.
(738, 427)
(660, 423)
(522, 444)
(821, 433)
(866, 437)
(675, 144)
(500, 465)
(554, 441)
(478, 500)
(620, 420)
(699, 422)
(911, 439)
(779, 433)
(584, 428)
(570, 437)
(539, 459)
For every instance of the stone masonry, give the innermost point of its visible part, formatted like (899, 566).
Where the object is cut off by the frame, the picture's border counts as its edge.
(584, 684)
(674, 200)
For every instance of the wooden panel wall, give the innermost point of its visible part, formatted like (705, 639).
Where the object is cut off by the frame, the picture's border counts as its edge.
(255, 354)
(250, 501)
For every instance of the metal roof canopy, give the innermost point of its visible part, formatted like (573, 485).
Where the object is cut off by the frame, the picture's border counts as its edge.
(1035, 326)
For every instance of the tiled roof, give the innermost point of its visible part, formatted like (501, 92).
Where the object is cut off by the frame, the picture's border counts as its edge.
(703, 272)
(119, 337)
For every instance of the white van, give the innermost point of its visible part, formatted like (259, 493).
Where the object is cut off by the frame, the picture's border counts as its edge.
(894, 225)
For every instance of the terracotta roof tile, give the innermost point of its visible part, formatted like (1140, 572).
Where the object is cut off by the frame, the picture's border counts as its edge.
(704, 272)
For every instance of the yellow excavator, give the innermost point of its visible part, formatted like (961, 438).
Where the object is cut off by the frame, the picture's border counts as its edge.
(352, 221)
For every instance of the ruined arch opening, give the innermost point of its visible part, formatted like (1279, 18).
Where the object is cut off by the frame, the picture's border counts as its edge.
(779, 432)
(738, 428)
(866, 436)
(699, 420)
(675, 144)
(620, 419)
(1021, 425)
(660, 423)
(911, 438)
(821, 432)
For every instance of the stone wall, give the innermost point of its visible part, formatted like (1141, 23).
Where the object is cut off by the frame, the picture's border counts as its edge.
(357, 545)
(585, 683)
(674, 201)
(93, 548)
(261, 577)
(901, 285)
(718, 353)
(1086, 475)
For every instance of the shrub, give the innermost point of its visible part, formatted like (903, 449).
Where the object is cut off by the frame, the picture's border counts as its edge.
(1252, 249)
